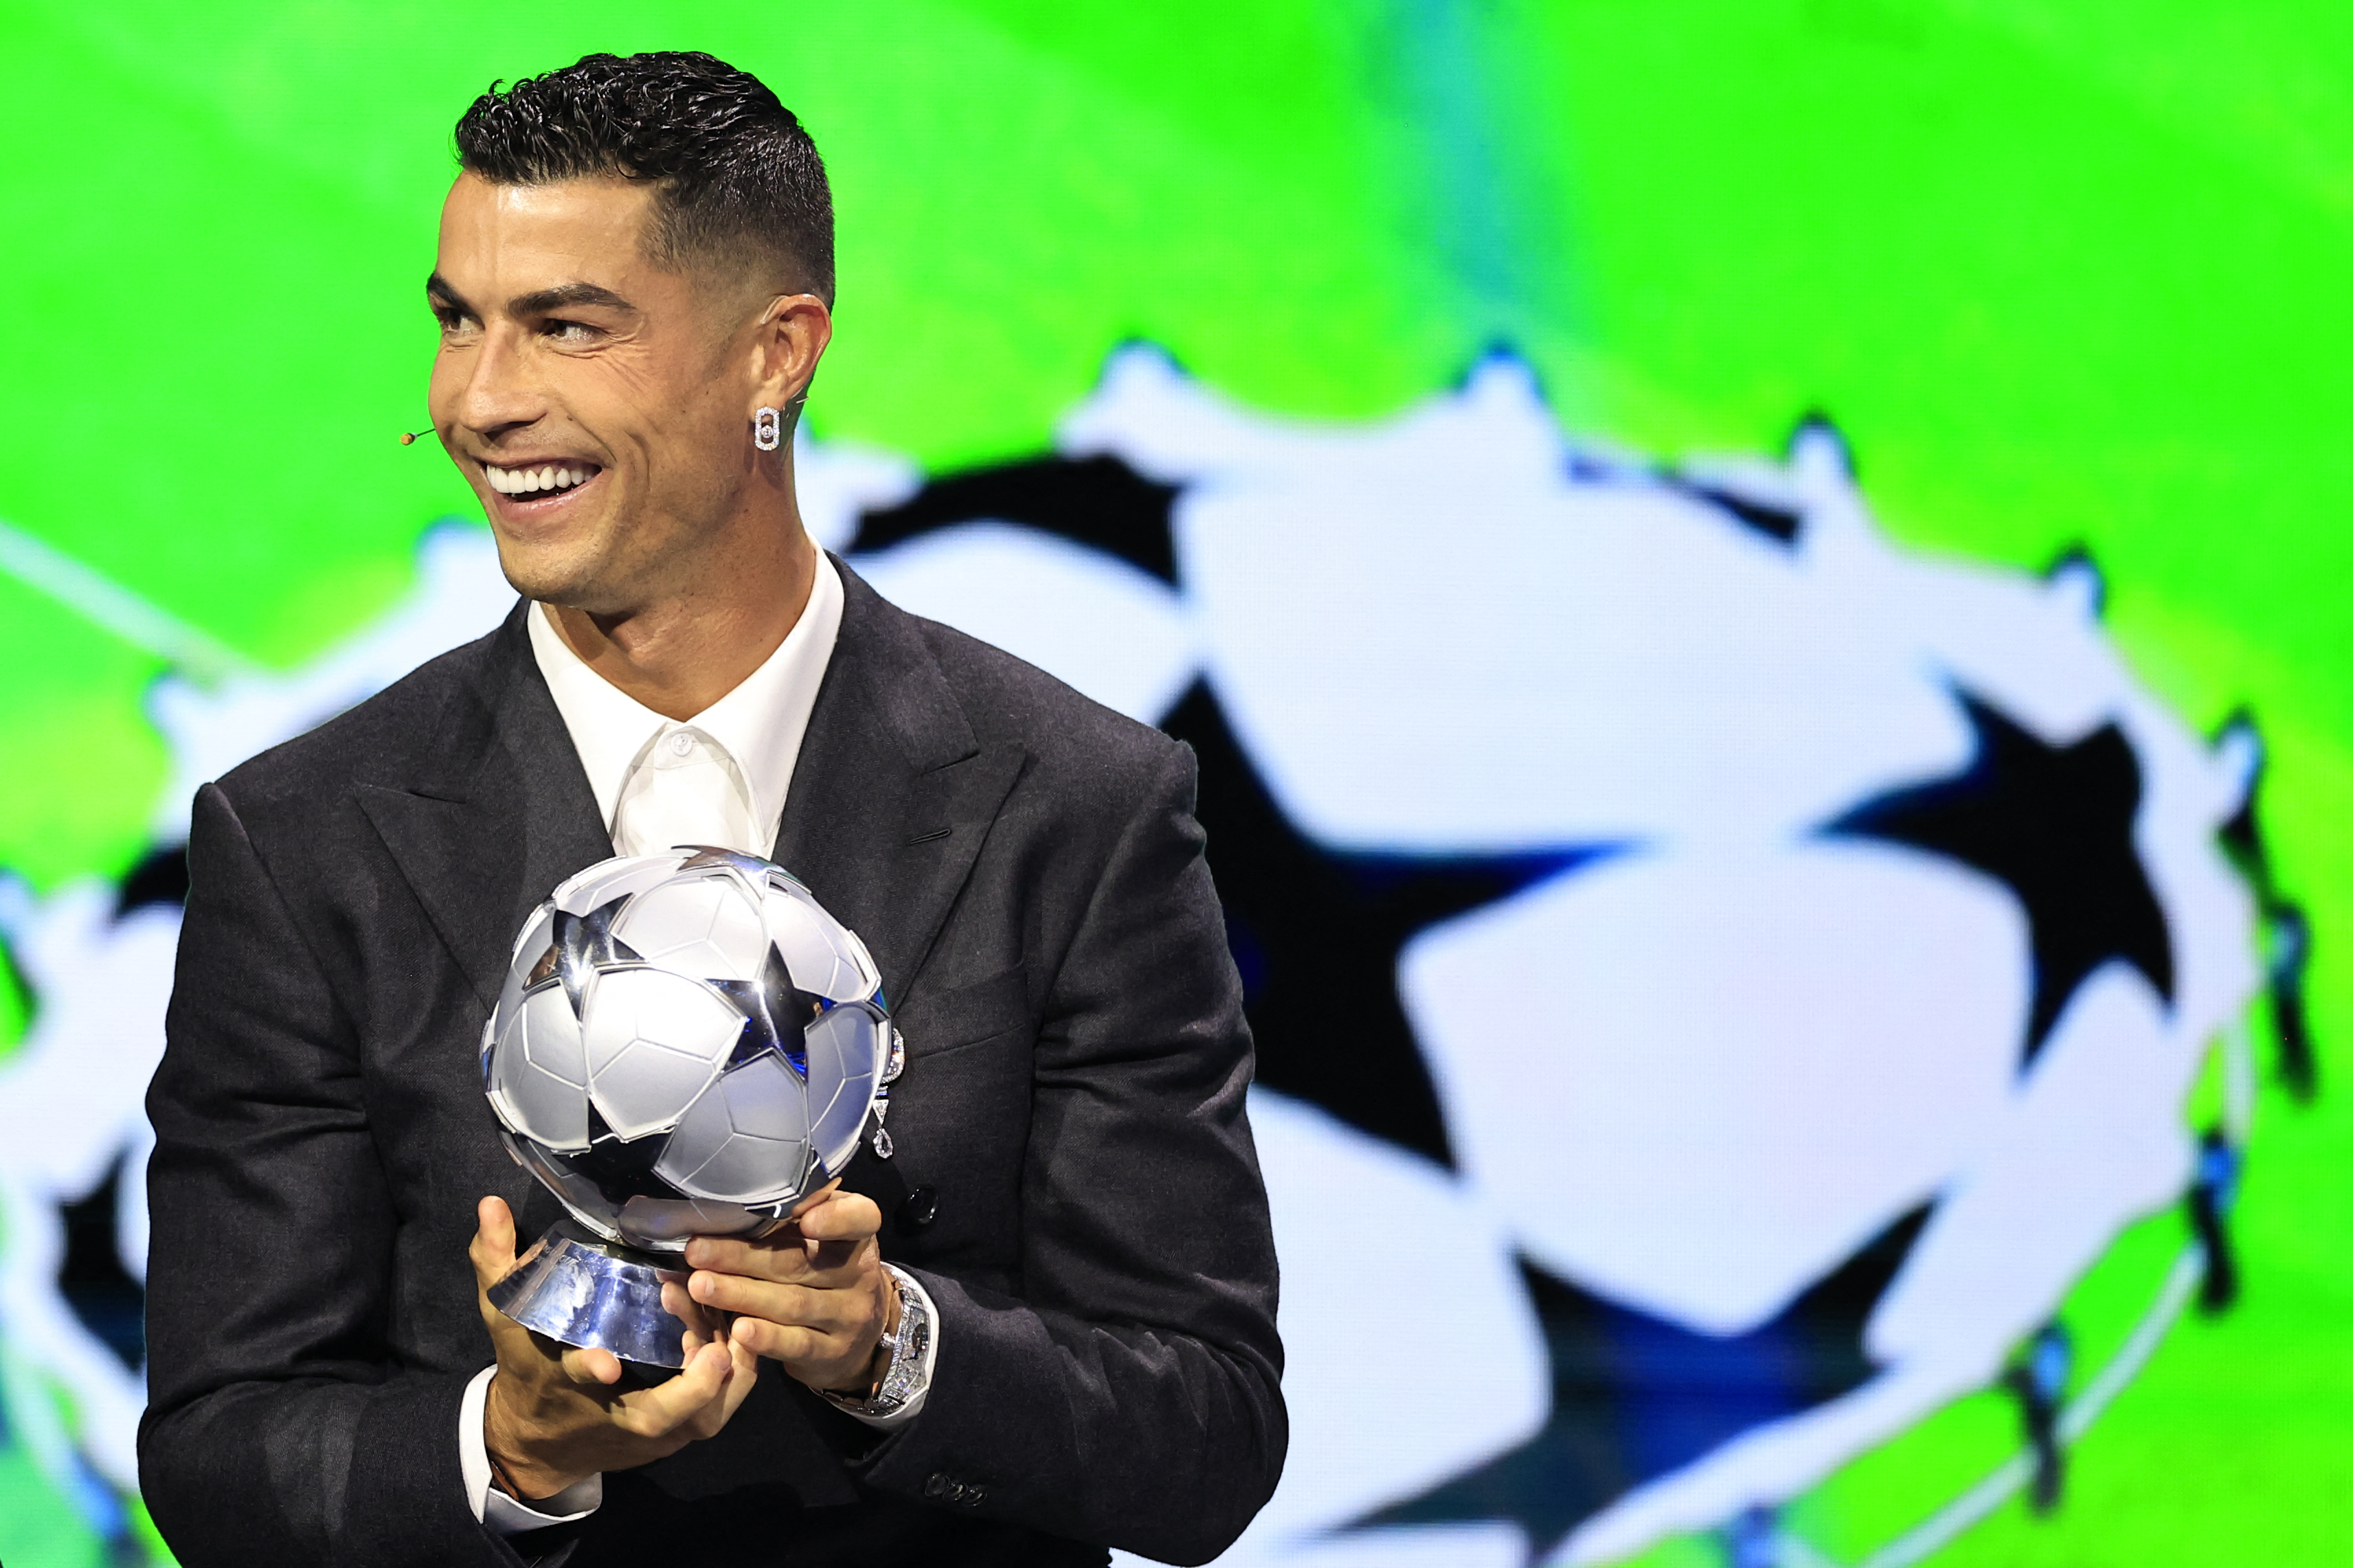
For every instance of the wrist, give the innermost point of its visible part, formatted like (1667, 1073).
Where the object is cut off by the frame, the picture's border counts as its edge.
(514, 1469)
(878, 1361)
(905, 1360)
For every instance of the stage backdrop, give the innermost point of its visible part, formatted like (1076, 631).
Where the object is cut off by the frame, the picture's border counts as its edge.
(1761, 590)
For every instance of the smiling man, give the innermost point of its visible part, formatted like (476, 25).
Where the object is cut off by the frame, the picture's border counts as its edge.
(1045, 1326)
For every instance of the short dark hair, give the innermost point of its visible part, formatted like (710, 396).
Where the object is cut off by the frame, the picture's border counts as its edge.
(735, 174)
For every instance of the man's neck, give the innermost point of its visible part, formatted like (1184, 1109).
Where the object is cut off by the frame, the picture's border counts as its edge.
(677, 656)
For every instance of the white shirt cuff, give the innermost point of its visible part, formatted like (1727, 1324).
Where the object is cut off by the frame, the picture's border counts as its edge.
(906, 1413)
(504, 1514)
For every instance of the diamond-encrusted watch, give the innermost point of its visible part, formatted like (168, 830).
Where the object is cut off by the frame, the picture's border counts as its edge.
(910, 1346)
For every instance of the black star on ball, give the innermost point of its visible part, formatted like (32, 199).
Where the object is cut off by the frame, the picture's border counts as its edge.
(581, 945)
(776, 1012)
(620, 1167)
(2054, 825)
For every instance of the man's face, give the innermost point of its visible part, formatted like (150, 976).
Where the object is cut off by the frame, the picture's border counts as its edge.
(600, 404)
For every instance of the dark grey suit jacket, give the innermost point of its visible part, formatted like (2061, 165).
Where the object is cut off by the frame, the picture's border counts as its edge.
(1027, 870)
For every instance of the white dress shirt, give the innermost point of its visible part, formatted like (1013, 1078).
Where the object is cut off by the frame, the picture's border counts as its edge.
(720, 778)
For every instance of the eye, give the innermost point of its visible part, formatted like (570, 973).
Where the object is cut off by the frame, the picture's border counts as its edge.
(453, 321)
(564, 332)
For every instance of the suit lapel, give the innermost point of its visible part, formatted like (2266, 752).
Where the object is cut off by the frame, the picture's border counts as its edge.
(893, 793)
(501, 813)
(891, 798)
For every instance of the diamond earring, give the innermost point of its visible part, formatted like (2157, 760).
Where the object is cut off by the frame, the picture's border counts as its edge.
(767, 429)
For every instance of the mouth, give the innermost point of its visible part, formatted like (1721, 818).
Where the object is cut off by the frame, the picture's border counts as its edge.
(539, 484)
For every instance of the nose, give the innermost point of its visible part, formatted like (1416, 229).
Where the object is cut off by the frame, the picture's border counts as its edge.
(498, 394)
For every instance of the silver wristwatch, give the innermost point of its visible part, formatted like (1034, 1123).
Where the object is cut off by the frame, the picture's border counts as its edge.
(909, 1347)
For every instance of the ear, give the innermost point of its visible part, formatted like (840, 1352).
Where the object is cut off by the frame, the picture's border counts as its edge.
(791, 337)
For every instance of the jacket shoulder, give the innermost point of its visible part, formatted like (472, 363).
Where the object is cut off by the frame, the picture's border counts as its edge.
(388, 737)
(1065, 732)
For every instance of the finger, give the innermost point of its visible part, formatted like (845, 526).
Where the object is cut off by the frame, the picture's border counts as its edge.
(745, 1362)
(795, 1344)
(666, 1406)
(844, 1216)
(809, 1307)
(835, 1232)
(591, 1365)
(776, 1257)
(787, 1258)
(815, 1199)
(678, 1303)
(743, 1370)
(840, 1265)
(779, 1254)
(827, 1260)
(493, 1249)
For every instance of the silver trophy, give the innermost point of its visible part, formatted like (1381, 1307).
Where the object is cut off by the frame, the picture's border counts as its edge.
(686, 1045)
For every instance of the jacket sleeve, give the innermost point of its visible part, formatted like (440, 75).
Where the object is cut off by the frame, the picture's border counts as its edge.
(1130, 1396)
(278, 1430)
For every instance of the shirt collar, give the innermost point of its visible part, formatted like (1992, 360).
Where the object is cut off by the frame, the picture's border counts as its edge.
(760, 723)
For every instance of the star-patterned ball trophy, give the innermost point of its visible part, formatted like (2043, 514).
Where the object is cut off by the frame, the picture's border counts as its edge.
(687, 1044)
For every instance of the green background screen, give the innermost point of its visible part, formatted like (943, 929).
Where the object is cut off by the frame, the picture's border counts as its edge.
(2068, 277)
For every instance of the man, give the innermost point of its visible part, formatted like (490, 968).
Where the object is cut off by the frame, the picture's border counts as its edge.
(633, 286)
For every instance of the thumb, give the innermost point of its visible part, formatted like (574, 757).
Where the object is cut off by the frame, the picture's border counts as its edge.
(492, 1251)
(586, 1366)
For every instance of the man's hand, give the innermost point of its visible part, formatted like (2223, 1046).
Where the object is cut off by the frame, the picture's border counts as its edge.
(554, 1415)
(813, 1295)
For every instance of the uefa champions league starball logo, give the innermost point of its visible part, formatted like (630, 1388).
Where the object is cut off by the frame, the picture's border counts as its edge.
(686, 1045)
(1775, 963)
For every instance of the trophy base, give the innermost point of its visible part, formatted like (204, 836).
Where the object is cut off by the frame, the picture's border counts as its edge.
(579, 1288)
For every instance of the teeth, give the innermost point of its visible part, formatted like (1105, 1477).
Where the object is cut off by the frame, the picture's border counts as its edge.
(531, 481)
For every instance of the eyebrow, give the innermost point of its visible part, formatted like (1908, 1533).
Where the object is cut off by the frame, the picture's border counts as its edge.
(538, 303)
